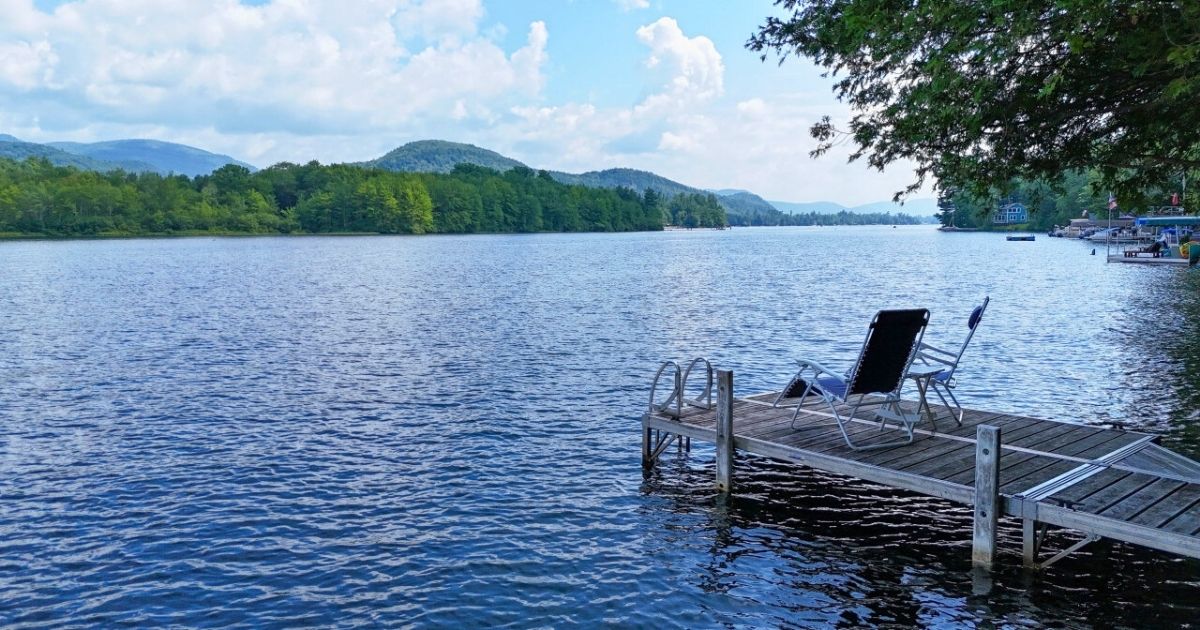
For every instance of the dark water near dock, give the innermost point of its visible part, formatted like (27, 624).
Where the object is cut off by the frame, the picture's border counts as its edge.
(443, 431)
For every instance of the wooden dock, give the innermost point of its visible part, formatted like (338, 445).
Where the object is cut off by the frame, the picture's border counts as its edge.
(1099, 482)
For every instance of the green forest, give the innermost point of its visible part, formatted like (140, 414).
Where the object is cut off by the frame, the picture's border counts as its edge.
(1049, 204)
(40, 199)
(835, 218)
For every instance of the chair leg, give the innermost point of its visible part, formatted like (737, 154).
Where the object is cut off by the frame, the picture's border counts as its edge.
(888, 413)
(959, 411)
(945, 403)
(803, 397)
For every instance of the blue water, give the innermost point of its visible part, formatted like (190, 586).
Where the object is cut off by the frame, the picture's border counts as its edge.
(443, 431)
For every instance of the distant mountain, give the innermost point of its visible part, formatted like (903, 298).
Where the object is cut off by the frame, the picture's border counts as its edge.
(627, 177)
(152, 155)
(7, 138)
(915, 207)
(439, 156)
(749, 208)
(741, 206)
(18, 150)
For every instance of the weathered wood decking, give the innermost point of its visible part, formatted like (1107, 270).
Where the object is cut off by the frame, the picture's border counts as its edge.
(1098, 481)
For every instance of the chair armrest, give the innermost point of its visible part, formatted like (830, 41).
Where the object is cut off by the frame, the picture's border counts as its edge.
(933, 358)
(817, 368)
(931, 348)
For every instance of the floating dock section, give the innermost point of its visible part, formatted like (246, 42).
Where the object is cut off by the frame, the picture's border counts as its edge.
(1099, 482)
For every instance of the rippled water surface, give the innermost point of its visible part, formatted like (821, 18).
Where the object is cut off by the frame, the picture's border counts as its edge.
(443, 431)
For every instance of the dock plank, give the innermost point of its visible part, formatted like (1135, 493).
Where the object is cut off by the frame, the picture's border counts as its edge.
(1056, 431)
(937, 450)
(1143, 499)
(1186, 522)
(1036, 476)
(963, 452)
(1156, 510)
(1164, 511)
(1103, 479)
(1108, 496)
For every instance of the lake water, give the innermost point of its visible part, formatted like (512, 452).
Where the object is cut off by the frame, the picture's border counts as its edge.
(444, 431)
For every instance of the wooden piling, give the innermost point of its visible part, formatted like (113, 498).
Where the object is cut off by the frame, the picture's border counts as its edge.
(1029, 546)
(987, 496)
(724, 430)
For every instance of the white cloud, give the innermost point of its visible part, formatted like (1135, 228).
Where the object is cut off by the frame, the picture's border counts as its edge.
(631, 5)
(692, 64)
(290, 66)
(26, 65)
(317, 79)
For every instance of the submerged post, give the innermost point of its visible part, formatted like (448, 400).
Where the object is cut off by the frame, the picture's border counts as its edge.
(987, 497)
(724, 430)
(1029, 546)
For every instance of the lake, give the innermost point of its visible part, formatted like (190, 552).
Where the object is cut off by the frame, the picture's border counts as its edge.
(444, 430)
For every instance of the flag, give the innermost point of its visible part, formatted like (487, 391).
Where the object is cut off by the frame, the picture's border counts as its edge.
(1112, 201)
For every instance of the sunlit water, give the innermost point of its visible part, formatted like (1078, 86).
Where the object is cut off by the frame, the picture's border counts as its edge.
(443, 431)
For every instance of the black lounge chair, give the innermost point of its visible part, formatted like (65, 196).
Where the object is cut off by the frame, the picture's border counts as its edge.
(1155, 250)
(887, 353)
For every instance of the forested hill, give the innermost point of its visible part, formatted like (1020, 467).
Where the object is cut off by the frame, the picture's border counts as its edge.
(38, 198)
(742, 208)
(627, 178)
(439, 156)
(746, 208)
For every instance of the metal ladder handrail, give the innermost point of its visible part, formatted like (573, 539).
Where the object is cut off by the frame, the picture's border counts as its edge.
(678, 394)
(707, 403)
(665, 406)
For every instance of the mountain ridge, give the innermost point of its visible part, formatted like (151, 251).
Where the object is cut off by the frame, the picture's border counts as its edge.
(133, 155)
(138, 154)
(21, 150)
(441, 156)
(743, 207)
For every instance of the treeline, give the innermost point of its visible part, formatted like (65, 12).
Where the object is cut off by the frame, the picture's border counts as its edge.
(694, 210)
(38, 198)
(831, 218)
(1049, 203)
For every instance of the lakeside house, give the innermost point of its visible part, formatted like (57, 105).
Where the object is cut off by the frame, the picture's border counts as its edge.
(1010, 214)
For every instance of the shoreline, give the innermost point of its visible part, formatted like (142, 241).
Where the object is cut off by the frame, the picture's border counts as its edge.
(16, 236)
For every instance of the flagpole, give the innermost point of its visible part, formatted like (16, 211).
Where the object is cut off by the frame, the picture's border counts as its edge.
(1112, 201)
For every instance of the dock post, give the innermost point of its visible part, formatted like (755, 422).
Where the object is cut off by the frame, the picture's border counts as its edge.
(1029, 546)
(987, 497)
(647, 439)
(724, 430)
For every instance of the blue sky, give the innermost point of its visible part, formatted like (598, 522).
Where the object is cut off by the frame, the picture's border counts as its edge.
(661, 85)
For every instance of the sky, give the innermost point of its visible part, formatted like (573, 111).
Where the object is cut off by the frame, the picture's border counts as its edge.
(574, 85)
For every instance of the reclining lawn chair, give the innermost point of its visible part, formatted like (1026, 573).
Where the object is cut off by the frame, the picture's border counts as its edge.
(943, 382)
(891, 344)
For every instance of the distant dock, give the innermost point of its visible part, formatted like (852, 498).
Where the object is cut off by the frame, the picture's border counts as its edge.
(1098, 482)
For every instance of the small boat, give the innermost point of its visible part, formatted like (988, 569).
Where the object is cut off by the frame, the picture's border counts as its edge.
(1019, 237)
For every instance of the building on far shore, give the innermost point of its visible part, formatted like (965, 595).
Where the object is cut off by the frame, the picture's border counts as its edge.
(1010, 214)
